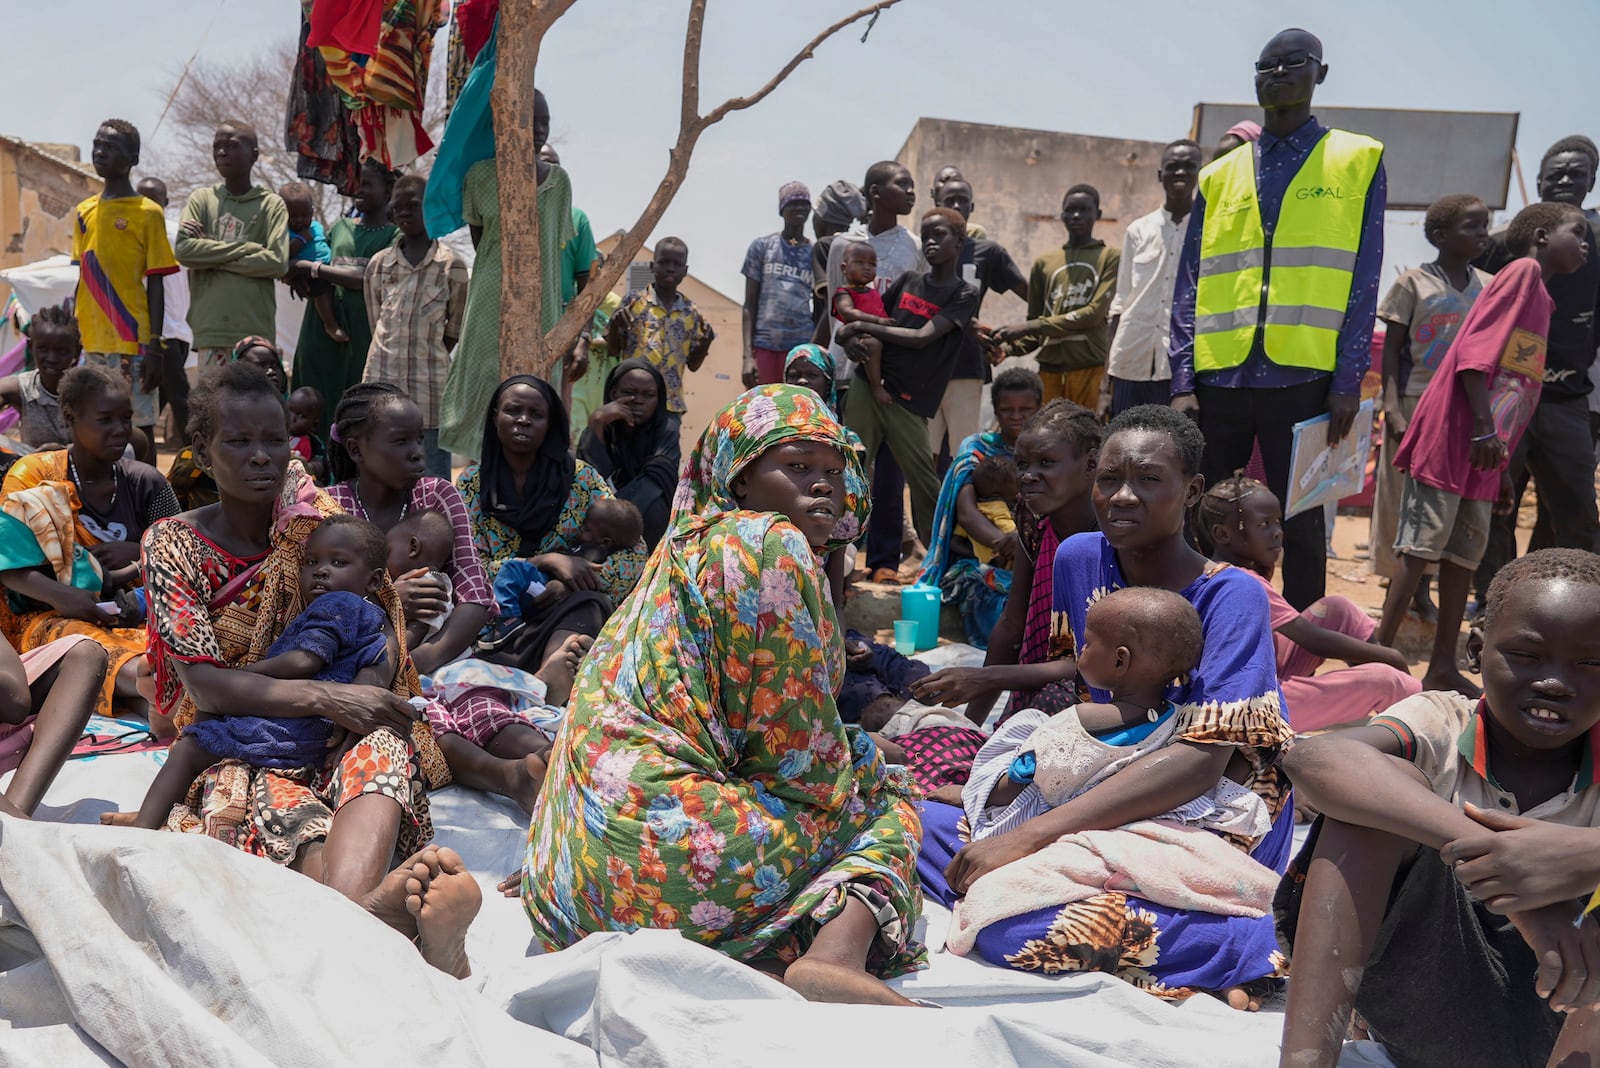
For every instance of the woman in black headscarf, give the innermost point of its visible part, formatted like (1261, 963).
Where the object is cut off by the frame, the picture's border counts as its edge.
(526, 500)
(633, 441)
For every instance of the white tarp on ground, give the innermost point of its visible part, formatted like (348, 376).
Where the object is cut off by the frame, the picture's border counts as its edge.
(166, 950)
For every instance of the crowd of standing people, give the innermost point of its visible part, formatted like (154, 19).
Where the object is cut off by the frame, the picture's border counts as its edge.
(645, 652)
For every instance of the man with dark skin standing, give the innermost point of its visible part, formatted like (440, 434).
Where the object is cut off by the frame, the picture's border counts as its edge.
(930, 311)
(119, 242)
(1277, 291)
(175, 352)
(1557, 450)
(1137, 369)
(988, 266)
(234, 238)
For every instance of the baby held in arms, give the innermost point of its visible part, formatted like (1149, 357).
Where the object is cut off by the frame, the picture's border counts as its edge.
(342, 635)
(1136, 643)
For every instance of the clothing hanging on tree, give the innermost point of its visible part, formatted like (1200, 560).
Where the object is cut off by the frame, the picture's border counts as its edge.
(380, 79)
(318, 129)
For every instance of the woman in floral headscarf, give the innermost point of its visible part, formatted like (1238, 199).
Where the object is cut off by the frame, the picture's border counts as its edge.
(721, 796)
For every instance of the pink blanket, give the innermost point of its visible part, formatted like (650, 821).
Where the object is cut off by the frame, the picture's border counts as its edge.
(1163, 862)
(14, 738)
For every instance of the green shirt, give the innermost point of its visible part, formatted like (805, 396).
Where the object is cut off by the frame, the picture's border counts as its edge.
(234, 268)
(1069, 303)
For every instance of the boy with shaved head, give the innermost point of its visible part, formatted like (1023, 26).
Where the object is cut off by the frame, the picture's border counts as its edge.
(234, 238)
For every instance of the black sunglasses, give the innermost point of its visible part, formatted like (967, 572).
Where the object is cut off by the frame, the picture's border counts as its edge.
(1293, 61)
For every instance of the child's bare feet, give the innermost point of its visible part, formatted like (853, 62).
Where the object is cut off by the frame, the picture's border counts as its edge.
(390, 902)
(1451, 680)
(523, 777)
(881, 395)
(119, 819)
(336, 333)
(561, 667)
(444, 909)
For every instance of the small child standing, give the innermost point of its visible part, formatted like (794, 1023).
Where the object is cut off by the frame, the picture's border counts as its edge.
(342, 635)
(1444, 901)
(1467, 424)
(858, 301)
(1422, 312)
(994, 481)
(661, 325)
(305, 415)
(416, 292)
(309, 242)
(1243, 522)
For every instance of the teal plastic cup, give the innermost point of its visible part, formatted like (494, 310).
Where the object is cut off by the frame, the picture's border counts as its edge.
(905, 636)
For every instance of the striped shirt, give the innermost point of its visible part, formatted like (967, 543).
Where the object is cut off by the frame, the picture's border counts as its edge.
(413, 309)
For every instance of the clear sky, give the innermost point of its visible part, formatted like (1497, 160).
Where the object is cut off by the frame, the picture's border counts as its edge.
(611, 71)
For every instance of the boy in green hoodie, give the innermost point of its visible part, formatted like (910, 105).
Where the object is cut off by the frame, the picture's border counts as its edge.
(234, 238)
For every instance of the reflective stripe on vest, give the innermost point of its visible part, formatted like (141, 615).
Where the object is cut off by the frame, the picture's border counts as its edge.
(1304, 277)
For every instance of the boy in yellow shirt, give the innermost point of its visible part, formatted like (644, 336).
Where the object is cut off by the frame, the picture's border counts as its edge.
(119, 241)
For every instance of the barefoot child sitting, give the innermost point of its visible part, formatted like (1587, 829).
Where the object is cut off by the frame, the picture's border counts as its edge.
(340, 636)
(1242, 521)
(1441, 895)
(858, 301)
(994, 481)
(1136, 642)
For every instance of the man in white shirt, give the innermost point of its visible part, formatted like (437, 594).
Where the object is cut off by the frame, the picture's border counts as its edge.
(175, 325)
(1137, 369)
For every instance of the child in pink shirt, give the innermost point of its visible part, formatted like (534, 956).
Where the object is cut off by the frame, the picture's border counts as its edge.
(1244, 522)
(1468, 422)
(858, 301)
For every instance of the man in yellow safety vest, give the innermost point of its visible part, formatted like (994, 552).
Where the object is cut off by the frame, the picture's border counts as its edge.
(1277, 290)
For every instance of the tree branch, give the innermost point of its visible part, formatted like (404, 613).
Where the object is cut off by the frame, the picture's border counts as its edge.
(739, 103)
(581, 311)
(689, 113)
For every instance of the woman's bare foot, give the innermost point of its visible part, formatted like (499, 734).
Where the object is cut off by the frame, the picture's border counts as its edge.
(818, 980)
(119, 819)
(561, 666)
(444, 909)
(390, 902)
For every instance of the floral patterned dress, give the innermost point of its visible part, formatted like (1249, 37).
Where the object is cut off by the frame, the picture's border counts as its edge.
(703, 780)
(208, 606)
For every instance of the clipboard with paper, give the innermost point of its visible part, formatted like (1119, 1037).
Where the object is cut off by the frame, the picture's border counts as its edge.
(1320, 475)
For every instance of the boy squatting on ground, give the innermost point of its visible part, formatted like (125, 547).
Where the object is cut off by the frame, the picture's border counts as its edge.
(340, 636)
(1459, 841)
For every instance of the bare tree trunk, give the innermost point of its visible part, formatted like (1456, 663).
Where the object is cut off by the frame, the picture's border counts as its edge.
(524, 348)
(523, 24)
